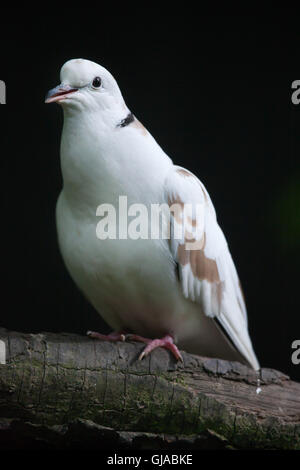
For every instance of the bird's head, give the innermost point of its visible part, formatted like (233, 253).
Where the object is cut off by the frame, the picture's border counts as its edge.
(85, 85)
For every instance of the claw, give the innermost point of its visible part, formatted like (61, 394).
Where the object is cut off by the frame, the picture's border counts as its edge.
(180, 358)
(166, 342)
(142, 355)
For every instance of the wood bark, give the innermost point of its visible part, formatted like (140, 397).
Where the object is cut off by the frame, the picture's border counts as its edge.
(66, 391)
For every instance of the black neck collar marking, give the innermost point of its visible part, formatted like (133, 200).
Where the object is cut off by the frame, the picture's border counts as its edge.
(126, 121)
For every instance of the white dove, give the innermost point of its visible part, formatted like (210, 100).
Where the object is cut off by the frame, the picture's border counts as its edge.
(158, 290)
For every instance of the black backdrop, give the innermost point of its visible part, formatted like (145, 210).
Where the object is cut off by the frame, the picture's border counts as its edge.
(215, 91)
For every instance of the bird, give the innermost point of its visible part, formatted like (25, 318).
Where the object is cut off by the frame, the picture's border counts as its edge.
(178, 292)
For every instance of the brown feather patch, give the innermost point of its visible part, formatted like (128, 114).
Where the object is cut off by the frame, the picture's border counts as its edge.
(202, 267)
(176, 206)
(136, 123)
(183, 172)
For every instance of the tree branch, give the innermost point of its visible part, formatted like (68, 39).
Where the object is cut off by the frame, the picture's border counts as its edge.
(65, 390)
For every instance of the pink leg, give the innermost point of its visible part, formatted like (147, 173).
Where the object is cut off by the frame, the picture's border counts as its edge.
(114, 336)
(166, 342)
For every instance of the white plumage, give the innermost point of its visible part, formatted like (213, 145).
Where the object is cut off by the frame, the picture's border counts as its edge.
(150, 287)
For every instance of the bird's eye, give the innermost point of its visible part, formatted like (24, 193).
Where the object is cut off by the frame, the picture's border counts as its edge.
(97, 82)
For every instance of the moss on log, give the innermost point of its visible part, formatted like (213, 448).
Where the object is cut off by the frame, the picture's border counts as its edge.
(65, 390)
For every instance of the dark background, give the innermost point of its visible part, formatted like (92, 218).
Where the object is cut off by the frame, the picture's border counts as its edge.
(215, 91)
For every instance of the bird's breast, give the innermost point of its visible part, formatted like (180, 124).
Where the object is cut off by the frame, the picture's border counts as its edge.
(130, 282)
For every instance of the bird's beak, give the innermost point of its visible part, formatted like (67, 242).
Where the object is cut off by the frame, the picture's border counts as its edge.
(59, 93)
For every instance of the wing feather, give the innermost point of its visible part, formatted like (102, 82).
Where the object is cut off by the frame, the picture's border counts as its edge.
(206, 270)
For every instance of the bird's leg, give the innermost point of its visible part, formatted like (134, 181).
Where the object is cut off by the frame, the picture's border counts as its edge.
(166, 342)
(114, 336)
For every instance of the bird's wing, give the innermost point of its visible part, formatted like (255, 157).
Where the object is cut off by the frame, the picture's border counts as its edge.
(206, 271)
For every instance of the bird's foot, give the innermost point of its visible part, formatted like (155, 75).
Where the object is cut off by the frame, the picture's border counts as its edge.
(114, 336)
(166, 342)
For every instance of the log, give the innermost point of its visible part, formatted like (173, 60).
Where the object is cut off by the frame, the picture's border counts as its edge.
(69, 391)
